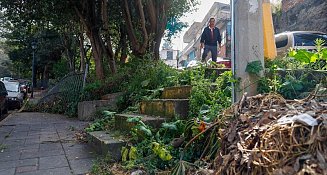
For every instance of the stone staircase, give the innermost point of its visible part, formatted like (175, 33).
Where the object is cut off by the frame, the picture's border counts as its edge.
(174, 103)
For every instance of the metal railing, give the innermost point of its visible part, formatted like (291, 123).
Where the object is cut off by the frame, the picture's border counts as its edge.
(68, 89)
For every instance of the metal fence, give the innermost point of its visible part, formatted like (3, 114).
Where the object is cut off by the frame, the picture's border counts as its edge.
(68, 89)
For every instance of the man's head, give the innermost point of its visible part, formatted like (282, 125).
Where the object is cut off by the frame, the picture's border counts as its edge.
(212, 22)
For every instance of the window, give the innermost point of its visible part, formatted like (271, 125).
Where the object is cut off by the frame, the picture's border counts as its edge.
(308, 39)
(229, 29)
(223, 37)
(169, 55)
(281, 41)
(191, 56)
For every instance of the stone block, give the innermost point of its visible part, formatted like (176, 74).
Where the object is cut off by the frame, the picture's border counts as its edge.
(168, 108)
(86, 109)
(178, 92)
(112, 97)
(105, 143)
(121, 124)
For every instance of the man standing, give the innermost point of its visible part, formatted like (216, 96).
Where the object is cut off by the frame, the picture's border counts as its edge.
(209, 39)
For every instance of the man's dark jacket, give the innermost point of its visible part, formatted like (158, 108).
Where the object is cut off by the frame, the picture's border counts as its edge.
(207, 39)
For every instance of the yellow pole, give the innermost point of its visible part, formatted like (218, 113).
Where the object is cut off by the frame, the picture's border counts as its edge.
(268, 31)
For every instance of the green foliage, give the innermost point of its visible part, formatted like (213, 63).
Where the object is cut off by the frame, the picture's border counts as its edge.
(141, 79)
(102, 166)
(104, 121)
(315, 60)
(174, 26)
(293, 86)
(140, 130)
(295, 75)
(209, 99)
(93, 91)
(60, 69)
(254, 67)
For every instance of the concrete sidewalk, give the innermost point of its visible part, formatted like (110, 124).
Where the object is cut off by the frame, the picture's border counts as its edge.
(42, 144)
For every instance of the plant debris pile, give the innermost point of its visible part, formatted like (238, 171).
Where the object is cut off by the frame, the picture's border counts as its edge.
(274, 136)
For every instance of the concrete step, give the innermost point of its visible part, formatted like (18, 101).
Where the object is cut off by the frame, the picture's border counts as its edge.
(177, 92)
(168, 108)
(123, 125)
(105, 143)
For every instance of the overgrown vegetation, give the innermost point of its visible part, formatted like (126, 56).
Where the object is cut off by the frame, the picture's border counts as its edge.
(155, 150)
(180, 146)
(296, 74)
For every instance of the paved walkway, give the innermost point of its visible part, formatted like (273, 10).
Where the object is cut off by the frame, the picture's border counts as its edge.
(42, 144)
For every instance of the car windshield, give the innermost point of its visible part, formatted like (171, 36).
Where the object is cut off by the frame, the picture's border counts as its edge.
(308, 39)
(12, 87)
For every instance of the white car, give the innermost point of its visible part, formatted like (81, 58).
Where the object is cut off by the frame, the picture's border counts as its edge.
(298, 40)
(15, 96)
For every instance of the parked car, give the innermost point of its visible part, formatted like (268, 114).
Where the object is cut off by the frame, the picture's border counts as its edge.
(6, 79)
(298, 40)
(15, 96)
(3, 99)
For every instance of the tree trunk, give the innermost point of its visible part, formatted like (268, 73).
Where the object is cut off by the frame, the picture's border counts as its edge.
(108, 47)
(68, 45)
(45, 76)
(88, 13)
(97, 51)
(138, 45)
(82, 52)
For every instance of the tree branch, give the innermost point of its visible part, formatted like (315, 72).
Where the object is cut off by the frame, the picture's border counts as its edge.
(145, 33)
(131, 34)
(152, 16)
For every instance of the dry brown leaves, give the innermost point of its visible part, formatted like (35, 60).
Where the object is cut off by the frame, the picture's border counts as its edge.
(81, 136)
(274, 136)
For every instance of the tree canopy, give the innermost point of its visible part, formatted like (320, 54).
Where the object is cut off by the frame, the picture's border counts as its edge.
(112, 29)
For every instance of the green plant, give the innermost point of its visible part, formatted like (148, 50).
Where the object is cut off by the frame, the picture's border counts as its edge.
(207, 98)
(254, 67)
(293, 86)
(105, 122)
(314, 59)
(102, 166)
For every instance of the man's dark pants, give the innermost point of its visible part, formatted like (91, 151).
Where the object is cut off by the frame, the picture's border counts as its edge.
(212, 49)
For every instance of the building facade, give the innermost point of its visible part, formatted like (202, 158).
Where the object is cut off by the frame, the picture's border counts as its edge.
(170, 57)
(221, 12)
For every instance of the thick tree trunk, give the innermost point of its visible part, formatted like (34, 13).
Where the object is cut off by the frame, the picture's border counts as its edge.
(82, 49)
(97, 51)
(67, 45)
(89, 13)
(108, 47)
(139, 46)
(82, 52)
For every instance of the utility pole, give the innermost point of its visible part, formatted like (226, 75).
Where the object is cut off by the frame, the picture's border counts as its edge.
(247, 44)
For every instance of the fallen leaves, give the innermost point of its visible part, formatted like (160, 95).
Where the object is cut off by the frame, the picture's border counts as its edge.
(274, 136)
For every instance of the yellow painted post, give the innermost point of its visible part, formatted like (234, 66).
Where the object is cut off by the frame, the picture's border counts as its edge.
(268, 31)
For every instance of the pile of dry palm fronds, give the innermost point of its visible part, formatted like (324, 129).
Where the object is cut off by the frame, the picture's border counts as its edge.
(274, 136)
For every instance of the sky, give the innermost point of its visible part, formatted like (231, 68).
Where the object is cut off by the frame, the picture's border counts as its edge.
(196, 16)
